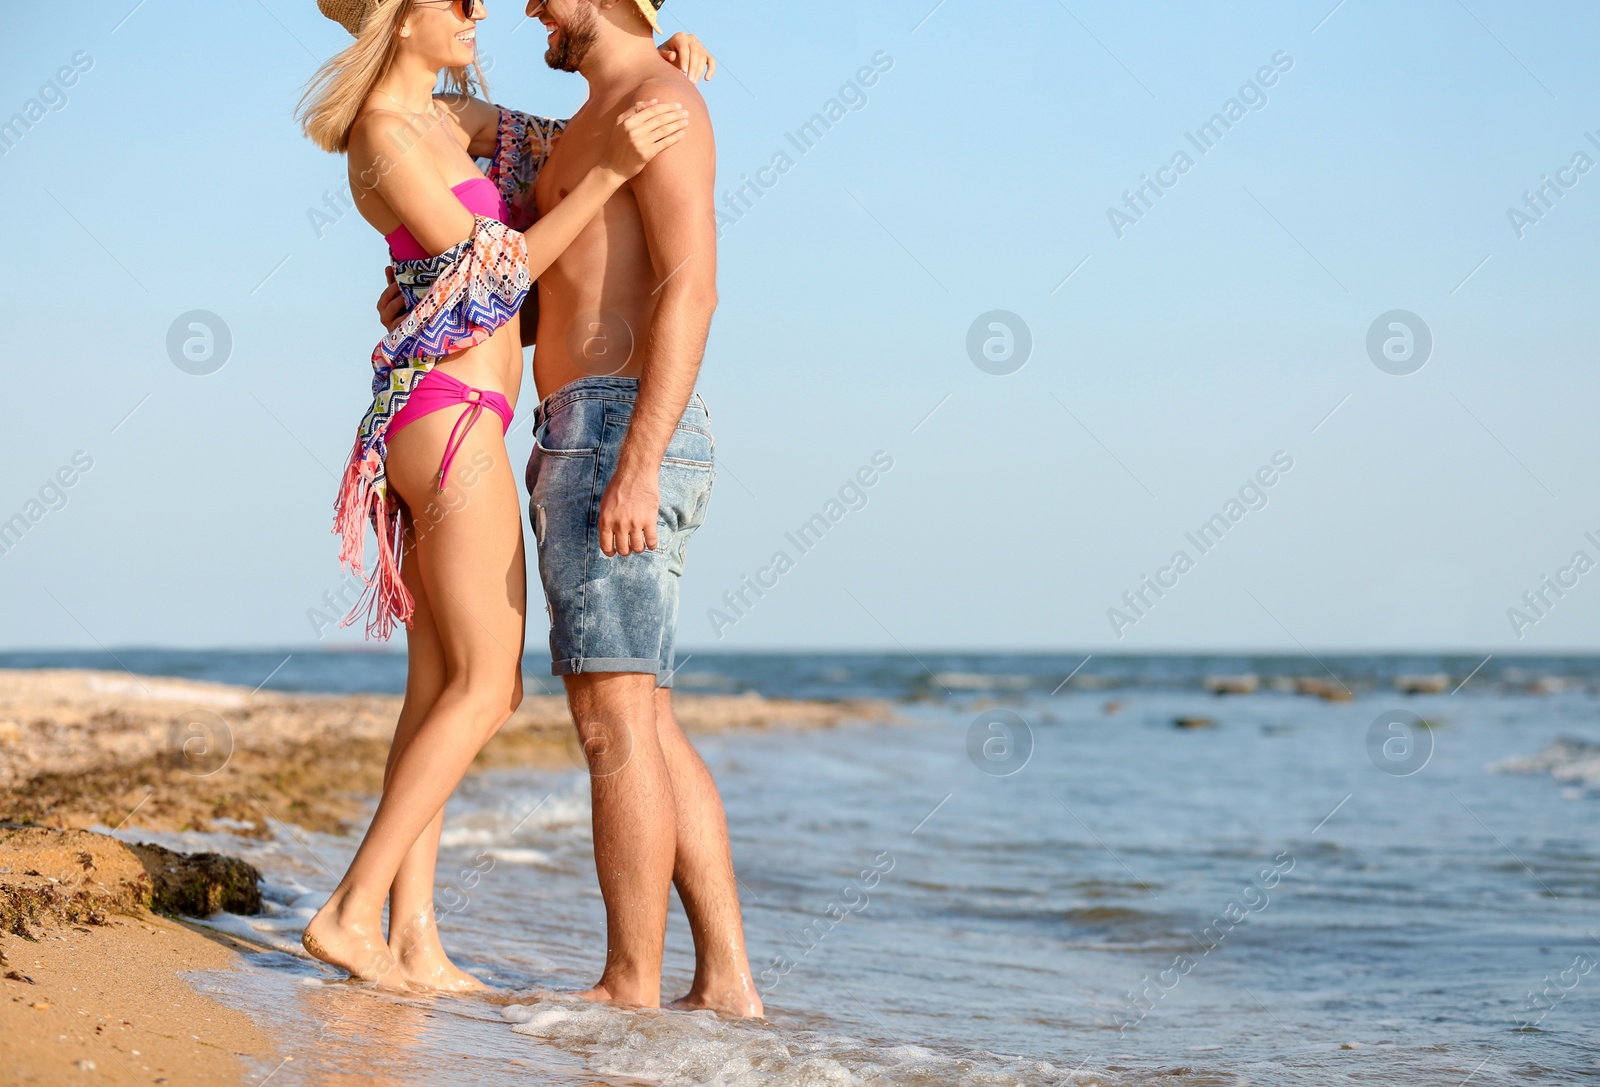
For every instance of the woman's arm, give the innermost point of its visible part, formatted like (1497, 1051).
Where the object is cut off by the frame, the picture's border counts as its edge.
(419, 197)
(385, 160)
(479, 121)
(685, 52)
(641, 133)
(632, 148)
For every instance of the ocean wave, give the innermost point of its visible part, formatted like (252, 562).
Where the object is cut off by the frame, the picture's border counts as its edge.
(514, 824)
(985, 681)
(697, 1049)
(281, 933)
(1569, 761)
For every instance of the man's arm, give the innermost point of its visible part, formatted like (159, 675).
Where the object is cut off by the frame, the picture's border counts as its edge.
(677, 204)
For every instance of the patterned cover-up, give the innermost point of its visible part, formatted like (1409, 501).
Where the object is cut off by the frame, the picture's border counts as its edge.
(522, 145)
(457, 300)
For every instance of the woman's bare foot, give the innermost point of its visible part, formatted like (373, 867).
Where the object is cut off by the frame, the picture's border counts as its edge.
(339, 937)
(434, 971)
(422, 960)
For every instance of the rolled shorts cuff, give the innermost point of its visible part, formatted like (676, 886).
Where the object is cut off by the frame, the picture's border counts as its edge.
(582, 666)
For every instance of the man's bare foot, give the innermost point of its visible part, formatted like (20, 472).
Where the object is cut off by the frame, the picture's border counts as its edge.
(354, 947)
(604, 993)
(739, 1002)
(598, 995)
(423, 963)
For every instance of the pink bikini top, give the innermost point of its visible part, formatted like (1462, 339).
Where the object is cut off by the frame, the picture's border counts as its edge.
(478, 195)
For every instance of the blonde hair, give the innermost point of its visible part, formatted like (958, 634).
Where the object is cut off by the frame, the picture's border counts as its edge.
(335, 95)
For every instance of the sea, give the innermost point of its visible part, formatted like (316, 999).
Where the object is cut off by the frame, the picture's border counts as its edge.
(1051, 869)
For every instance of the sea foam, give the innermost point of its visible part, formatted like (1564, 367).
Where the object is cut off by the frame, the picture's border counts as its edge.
(699, 1049)
(1569, 761)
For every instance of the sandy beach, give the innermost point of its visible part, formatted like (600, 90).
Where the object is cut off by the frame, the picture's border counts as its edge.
(92, 961)
(93, 951)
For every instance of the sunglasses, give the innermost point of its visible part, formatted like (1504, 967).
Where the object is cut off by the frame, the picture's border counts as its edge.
(466, 7)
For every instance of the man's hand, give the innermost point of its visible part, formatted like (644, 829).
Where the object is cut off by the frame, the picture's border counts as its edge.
(391, 303)
(628, 513)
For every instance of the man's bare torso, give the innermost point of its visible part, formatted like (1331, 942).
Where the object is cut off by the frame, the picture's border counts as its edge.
(597, 300)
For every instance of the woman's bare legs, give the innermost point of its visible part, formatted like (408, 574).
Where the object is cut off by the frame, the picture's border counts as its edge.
(468, 555)
(413, 928)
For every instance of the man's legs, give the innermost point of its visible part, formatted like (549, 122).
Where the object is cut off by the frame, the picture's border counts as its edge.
(657, 816)
(635, 835)
(703, 872)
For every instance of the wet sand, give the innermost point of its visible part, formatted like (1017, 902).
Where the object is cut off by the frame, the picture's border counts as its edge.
(107, 1004)
(92, 988)
(92, 953)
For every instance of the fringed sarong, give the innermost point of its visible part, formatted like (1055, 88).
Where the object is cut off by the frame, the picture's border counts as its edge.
(458, 300)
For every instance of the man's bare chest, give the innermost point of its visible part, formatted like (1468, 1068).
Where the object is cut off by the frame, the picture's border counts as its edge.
(579, 150)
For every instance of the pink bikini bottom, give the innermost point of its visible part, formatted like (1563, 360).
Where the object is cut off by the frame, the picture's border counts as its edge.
(436, 391)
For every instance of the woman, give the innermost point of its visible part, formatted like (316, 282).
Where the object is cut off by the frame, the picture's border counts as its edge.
(427, 471)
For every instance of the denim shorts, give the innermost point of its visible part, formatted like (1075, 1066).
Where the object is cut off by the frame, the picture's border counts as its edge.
(615, 614)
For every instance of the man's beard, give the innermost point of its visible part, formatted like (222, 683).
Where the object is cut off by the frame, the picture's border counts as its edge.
(575, 40)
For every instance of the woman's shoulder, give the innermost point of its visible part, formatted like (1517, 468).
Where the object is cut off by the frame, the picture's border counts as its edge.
(386, 137)
(379, 129)
(470, 112)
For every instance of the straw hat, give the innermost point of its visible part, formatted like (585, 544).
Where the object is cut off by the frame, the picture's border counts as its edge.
(650, 7)
(349, 14)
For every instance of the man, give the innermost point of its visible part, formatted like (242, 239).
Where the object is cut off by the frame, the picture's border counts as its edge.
(632, 299)
(619, 480)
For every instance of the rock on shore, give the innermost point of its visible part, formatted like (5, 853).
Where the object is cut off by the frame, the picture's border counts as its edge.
(51, 877)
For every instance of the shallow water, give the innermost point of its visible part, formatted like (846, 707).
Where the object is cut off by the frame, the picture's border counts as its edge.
(1342, 924)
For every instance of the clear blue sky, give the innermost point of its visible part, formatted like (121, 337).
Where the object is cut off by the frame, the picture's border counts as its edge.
(1222, 327)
